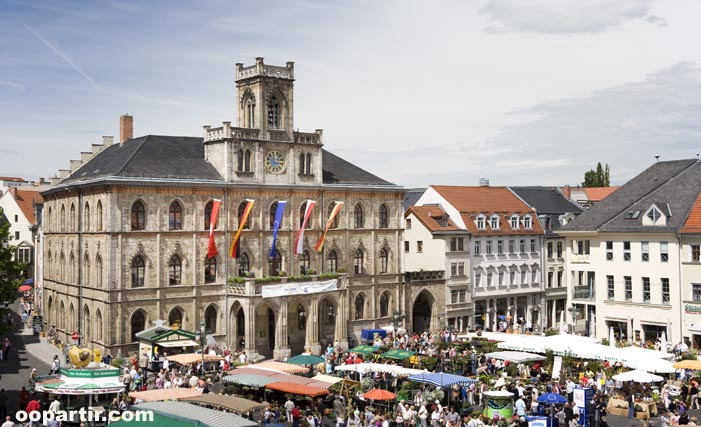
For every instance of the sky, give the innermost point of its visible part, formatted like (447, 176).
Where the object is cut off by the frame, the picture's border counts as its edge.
(520, 92)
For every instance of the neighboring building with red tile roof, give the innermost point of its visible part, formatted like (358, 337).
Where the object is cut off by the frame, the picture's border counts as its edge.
(500, 257)
(19, 208)
(587, 197)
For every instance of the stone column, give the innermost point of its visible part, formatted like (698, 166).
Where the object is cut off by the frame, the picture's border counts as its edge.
(312, 331)
(341, 328)
(282, 346)
(250, 329)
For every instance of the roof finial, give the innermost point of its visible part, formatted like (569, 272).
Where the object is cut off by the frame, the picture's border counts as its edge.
(697, 157)
(657, 158)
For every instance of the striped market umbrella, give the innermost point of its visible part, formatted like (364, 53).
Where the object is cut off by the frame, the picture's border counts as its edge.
(251, 380)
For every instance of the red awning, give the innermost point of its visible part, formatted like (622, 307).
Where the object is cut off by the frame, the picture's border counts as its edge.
(304, 390)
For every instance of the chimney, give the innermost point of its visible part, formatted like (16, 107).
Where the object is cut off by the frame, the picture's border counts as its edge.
(484, 182)
(126, 128)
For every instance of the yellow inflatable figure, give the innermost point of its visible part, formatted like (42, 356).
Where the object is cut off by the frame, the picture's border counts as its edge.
(80, 357)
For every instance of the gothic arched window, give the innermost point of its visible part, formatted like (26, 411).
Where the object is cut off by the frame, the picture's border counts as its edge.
(384, 305)
(302, 162)
(275, 264)
(208, 215)
(247, 161)
(359, 306)
(273, 113)
(138, 216)
(138, 324)
(242, 208)
(384, 216)
(86, 217)
(383, 260)
(138, 268)
(250, 113)
(244, 265)
(98, 216)
(175, 216)
(334, 223)
(304, 263)
(175, 270)
(239, 163)
(358, 262)
(332, 261)
(210, 270)
(358, 216)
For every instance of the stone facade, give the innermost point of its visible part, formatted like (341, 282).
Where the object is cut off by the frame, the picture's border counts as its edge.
(107, 278)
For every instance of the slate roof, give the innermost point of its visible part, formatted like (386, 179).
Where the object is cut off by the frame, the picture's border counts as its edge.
(411, 196)
(546, 200)
(338, 171)
(675, 183)
(181, 157)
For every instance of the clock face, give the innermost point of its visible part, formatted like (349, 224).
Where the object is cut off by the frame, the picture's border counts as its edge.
(275, 162)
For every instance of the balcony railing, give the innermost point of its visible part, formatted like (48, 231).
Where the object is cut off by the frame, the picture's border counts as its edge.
(579, 259)
(584, 292)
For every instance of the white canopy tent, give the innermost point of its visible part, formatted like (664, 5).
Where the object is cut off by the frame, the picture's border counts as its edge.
(515, 356)
(637, 376)
(364, 368)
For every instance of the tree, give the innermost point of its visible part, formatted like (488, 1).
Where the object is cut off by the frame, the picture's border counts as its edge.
(10, 269)
(597, 178)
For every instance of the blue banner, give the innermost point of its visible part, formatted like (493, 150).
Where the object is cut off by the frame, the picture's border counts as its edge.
(276, 225)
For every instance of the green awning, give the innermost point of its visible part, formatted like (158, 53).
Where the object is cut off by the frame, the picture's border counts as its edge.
(158, 421)
(398, 354)
(251, 380)
(305, 359)
(363, 349)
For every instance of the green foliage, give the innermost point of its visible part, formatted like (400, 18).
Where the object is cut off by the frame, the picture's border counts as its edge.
(597, 178)
(117, 362)
(327, 276)
(236, 279)
(551, 331)
(10, 270)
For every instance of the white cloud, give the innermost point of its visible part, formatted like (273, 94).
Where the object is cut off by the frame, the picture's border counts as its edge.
(12, 85)
(564, 16)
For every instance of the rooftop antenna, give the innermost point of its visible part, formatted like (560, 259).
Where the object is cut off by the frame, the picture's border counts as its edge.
(697, 157)
(657, 158)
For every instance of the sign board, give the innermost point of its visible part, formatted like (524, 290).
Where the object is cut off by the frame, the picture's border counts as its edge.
(557, 366)
(90, 373)
(299, 288)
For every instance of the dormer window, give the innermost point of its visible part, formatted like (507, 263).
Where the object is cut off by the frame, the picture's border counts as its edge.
(527, 222)
(494, 222)
(514, 222)
(654, 214)
(480, 222)
(632, 214)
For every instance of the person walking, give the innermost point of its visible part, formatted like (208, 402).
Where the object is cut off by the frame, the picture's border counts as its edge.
(694, 395)
(289, 406)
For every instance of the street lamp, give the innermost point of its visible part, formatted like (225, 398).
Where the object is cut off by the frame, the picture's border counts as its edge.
(203, 340)
(396, 320)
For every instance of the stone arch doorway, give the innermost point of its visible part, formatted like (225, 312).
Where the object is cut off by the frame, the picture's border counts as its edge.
(265, 330)
(297, 315)
(421, 312)
(237, 320)
(328, 310)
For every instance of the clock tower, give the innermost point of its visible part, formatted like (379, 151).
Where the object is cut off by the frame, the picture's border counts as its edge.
(264, 148)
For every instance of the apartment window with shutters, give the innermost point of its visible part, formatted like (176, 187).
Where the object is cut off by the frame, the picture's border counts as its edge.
(550, 250)
(626, 251)
(408, 224)
(478, 279)
(453, 245)
(461, 269)
(534, 277)
(664, 251)
(512, 277)
(609, 251)
(533, 247)
(478, 247)
(501, 278)
(523, 277)
(511, 246)
(665, 290)
(454, 269)
(629, 287)
(696, 292)
(453, 297)
(646, 289)
(522, 246)
(489, 279)
(419, 246)
(480, 223)
(494, 222)
(406, 246)
(559, 249)
(500, 247)
(489, 247)
(695, 253)
(610, 288)
(559, 279)
(550, 279)
(645, 251)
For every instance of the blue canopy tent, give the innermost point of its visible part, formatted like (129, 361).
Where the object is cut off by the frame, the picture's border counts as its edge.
(441, 379)
(369, 334)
